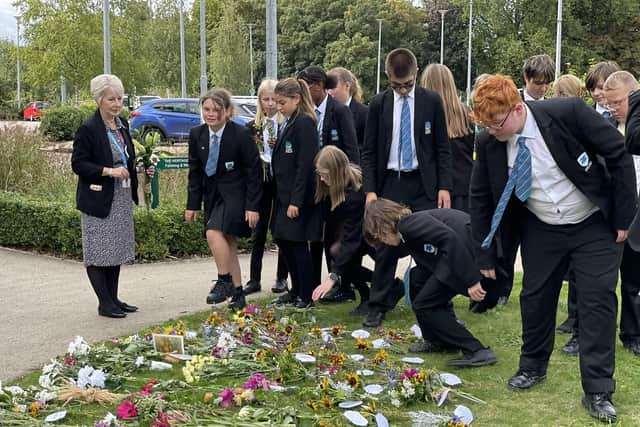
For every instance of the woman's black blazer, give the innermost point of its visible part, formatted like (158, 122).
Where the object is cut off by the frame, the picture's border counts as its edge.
(92, 153)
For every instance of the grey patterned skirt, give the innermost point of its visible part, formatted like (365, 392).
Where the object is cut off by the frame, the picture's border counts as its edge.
(110, 241)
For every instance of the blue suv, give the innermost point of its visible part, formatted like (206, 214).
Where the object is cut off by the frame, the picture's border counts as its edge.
(174, 117)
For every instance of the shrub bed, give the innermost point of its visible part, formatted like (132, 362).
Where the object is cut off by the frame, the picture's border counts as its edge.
(61, 123)
(55, 227)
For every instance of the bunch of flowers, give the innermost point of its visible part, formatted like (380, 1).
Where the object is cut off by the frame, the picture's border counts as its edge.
(147, 157)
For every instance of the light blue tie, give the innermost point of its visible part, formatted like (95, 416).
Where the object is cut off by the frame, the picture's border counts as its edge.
(606, 114)
(520, 179)
(405, 151)
(212, 160)
(319, 116)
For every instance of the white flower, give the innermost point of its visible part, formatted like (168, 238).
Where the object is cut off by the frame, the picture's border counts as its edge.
(226, 341)
(344, 386)
(110, 419)
(139, 361)
(395, 402)
(84, 376)
(16, 390)
(52, 368)
(97, 379)
(407, 389)
(46, 395)
(45, 381)
(78, 347)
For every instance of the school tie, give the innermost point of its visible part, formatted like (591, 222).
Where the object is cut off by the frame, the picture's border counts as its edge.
(319, 116)
(212, 160)
(520, 180)
(405, 151)
(283, 125)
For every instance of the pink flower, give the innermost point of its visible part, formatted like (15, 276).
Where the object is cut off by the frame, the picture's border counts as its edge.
(247, 338)
(251, 309)
(115, 340)
(127, 410)
(257, 381)
(146, 390)
(227, 398)
(69, 360)
(162, 420)
(409, 373)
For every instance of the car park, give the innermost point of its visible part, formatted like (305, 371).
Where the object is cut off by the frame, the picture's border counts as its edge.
(35, 110)
(172, 118)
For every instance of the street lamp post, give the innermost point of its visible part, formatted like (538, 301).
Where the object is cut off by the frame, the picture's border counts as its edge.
(18, 59)
(469, 52)
(559, 38)
(252, 90)
(203, 51)
(442, 13)
(106, 36)
(183, 64)
(379, 53)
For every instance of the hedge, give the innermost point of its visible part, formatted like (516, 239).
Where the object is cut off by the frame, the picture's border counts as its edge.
(61, 123)
(55, 227)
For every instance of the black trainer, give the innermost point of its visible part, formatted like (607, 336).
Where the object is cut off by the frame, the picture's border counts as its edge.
(238, 302)
(220, 291)
(251, 287)
(280, 286)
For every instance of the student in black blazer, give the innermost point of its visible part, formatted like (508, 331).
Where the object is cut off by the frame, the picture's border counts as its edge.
(226, 174)
(569, 209)
(349, 93)
(296, 219)
(264, 130)
(414, 170)
(104, 159)
(439, 241)
(339, 191)
(335, 127)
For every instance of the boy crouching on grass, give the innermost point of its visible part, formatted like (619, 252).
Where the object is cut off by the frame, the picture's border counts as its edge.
(439, 240)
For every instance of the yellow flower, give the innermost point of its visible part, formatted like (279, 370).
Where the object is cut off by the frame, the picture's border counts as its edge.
(208, 397)
(326, 403)
(316, 332)
(312, 405)
(338, 359)
(34, 409)
(353, 380)
(261, 354)
(419, 379)
(324, 384)
(336, 331)
(381, 356)
(362, 344)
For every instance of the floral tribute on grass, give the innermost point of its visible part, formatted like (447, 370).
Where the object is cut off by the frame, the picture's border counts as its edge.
(256, 367)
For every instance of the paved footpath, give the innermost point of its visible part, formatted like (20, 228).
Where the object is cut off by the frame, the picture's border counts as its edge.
(47, 301)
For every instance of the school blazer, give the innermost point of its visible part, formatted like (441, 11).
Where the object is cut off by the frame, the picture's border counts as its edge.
(238, 174)
(91, 153)
(338, 129)
(343, 229)
(632, 124)
(359, 112)
(439, 240)
(462, 159)
(430, 133)
(571, 129)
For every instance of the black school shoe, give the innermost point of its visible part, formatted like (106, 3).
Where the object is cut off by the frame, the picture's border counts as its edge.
(280, 286)
(478, 358)
(238, 301)
(599, 406)
(252, 287)
(339, 295)
(220, 291)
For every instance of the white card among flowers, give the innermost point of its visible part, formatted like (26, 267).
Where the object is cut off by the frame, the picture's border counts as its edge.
(168, 343)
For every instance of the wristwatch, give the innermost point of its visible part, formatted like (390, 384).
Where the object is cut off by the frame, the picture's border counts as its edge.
(335, 277)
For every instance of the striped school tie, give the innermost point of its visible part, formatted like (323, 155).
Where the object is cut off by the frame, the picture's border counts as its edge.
(405, 151)
(214, 152)
(520, 180)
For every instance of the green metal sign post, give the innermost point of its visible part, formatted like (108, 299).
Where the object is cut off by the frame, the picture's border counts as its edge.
(165, 163)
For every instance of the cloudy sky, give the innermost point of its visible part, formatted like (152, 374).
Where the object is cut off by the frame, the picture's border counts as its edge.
(7, 20)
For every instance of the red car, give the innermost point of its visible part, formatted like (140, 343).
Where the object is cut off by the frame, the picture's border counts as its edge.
(35, 110)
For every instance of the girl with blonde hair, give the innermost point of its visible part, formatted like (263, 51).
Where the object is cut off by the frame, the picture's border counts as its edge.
(349, 92)
(438, 78)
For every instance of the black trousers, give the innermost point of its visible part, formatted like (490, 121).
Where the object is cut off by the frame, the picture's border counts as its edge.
(259, 236)
(104, 281)
(590, 250)
(431, 302)
(407, 189)
(629, 297)
(298, 258)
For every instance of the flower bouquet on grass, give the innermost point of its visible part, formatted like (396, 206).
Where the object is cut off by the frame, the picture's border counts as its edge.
(147, 157)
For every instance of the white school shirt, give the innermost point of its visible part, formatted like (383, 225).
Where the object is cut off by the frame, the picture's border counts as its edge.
(322, 108)
(395, 138)
(636, 160)
(554, 199)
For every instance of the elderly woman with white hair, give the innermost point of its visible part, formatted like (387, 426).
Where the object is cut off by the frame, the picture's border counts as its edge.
(104, 160)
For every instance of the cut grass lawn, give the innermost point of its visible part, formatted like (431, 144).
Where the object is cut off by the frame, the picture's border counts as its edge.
(556, 402)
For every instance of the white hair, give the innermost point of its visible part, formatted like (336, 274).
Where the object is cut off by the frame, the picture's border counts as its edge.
(99, 85)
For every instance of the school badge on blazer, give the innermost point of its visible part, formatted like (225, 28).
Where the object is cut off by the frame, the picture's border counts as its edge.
(430, 249)
(334, 135)
(95, 187)
(427, 127)
(584, 161)
(288, 147)
(229, 166)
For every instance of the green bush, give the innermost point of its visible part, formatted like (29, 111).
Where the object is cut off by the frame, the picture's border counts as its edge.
(61, 123)
(55, 227)
(23, 166)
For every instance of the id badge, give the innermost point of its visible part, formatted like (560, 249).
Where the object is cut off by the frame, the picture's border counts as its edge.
(126, 183)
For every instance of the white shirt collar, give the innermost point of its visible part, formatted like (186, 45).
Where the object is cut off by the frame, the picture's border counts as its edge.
(348, 103)
(529, 130)
(526, 95)
(323, 105)
(600, 109)
(218, 133)
(411, 94)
